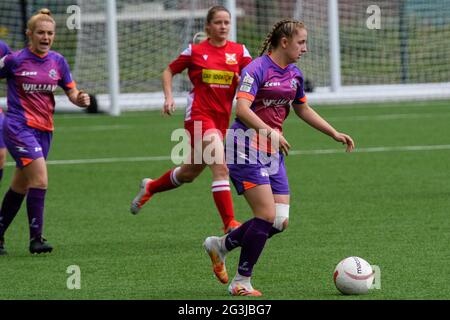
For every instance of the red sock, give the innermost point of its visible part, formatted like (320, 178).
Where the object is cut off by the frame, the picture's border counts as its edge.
(167, 181)
(224, 202)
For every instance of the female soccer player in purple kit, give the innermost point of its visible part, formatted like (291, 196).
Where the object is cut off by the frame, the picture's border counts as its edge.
(4, 50)
(269, 86)
(33, 74)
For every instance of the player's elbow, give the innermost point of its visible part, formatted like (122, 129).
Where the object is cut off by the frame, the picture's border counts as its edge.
(167, 73)
(240, 111)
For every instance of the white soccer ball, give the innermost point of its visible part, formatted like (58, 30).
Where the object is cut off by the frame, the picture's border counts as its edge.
(353, 275)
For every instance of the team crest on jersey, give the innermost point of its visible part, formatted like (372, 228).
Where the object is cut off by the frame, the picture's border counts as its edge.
(294, 84)
(205, 56)
(230, 58)
(53, 74)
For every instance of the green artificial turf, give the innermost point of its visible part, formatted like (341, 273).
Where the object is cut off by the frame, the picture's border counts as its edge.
(382, 203)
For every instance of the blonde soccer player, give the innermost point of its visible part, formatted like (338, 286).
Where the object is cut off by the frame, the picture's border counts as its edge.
(4, 50)
(33, 74)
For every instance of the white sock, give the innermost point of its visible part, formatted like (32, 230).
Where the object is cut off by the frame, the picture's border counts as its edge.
(243, 280)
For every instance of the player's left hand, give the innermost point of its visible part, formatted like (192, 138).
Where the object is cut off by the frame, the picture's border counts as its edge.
(345, 139)
(83, 99)
(237, 77)
(279, 142)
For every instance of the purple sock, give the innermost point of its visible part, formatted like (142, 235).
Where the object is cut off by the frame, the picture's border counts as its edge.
(273, 231)
(252, 245)
(35, 208)
(234, 238)
(1, 174)
(10, 206)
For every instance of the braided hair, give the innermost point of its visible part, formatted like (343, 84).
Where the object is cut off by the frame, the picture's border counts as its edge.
(283, 28)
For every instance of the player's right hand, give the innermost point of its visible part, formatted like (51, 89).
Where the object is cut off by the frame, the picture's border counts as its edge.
(169, 106)
(83, 99)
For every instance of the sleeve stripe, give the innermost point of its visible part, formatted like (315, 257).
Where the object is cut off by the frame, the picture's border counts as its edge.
(245, 95)
(187, 51)
(71, 85)
(302, 100)
(246, 53)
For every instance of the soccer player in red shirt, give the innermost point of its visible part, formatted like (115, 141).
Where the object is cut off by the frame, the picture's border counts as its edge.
(213, 67)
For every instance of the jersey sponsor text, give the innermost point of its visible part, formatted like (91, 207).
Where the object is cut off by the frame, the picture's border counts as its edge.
(217, 76)
(276, 102)
(32, 87)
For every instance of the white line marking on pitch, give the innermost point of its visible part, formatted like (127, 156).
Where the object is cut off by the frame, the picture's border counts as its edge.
(373, 149)
(398, 116)
(383, 117)
(293, 152)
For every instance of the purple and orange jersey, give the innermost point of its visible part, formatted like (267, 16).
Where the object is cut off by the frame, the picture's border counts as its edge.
(32, 79)
(272, 89)
(4, 49)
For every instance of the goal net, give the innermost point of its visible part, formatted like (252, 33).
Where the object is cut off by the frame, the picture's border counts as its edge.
(405, 56)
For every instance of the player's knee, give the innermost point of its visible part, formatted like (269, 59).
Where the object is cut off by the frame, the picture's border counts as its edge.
(282, 216)
(39, 184)
(220, 172)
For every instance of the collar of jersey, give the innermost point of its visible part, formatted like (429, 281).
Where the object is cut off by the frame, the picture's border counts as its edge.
(273, 61)
(36, 54)
(215, 46)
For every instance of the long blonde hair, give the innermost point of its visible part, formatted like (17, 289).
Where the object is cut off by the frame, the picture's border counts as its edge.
(283, 28)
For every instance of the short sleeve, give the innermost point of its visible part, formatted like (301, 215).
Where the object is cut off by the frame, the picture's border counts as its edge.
(251, 80)
(182, 62)
(4, 49)
(246, 58)
(66, 82)
(300, 96)
(6, 64)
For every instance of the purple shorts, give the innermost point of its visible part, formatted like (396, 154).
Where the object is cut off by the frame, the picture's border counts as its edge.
(24, 143)
(257, 170)
(2, 142)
